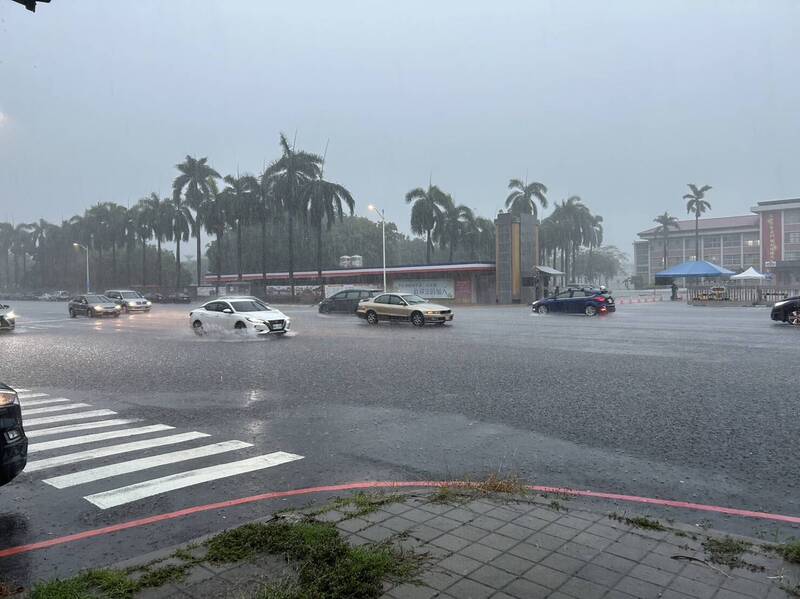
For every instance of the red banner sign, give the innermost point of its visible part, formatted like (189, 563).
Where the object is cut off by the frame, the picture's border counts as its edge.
(771, 227)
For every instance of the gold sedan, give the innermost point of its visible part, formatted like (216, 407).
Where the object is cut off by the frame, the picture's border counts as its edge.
(403, 306)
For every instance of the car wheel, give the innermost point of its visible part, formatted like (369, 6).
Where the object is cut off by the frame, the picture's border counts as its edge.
(324, 309)
(542, 309)
(240, 327)
(417, 319)
(794, 318)
(590, 311)
(89, 313)
(72, 313)
(116, 314)
(372, 317)
(197, 327)
(125, 308)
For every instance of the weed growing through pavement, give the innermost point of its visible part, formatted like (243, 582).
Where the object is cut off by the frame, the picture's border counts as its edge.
(639, 522)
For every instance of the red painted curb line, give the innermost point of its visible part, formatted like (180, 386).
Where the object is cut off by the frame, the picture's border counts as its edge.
(97, 532)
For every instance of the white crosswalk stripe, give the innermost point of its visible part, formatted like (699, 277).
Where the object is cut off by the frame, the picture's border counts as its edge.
(74, 428)
(28, 422)
(157, 486)
(94, 438)
(49, 409)
(68, 422)
(93, 454)
(101, 472)
(42, 402)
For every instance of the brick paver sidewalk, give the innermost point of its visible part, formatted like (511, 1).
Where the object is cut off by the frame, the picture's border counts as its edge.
(482, 546)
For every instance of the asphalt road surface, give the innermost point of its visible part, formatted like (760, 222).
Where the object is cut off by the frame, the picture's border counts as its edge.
(660, 400)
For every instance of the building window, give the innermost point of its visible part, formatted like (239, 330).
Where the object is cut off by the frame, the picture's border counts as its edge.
(793, 255)
(792, 237)
(791, 217)
(732, 241)
(711, 242)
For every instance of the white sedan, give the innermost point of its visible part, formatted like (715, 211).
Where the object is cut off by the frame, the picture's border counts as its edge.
(240, 314)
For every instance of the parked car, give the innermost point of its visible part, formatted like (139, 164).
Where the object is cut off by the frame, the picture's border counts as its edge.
(13, 442)
(581, 300)
(93, 306)
(178, 298)
(239, 314)
(787, 310)
(403, 306)
(8, 320)
(60, 296)
(130, 300)
(346, 300)
(155, 298)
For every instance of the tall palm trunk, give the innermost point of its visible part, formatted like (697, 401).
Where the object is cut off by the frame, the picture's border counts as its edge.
(428, 248)
(696, 235)
(665, 251)
(239, 247)
(199, 249)
(144, 262)
(114, 262)
(178, 264)
(452, 247)
(158, 261)
(264, 249)
(291, 254)
(16, 270)
(128, 267)
(219, 257)
(319, 261)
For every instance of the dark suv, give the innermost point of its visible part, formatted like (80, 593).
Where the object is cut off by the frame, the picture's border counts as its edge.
(346, 300)
(13, 443)
(581, 300)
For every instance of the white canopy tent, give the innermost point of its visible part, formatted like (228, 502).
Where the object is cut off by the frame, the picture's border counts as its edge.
(751, 274)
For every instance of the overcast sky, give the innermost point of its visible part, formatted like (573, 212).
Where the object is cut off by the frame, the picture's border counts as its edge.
(621, 103)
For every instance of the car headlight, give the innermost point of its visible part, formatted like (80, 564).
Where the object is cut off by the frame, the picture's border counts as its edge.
(148, 303)
(8, 398)
(254, 320)
(118, 307)
(430, 312)
(11, 315)
(779, 304)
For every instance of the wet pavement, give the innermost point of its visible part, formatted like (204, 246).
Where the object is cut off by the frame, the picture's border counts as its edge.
(660, 400)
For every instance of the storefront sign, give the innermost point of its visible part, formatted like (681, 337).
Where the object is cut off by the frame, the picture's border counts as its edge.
(427, 288)
(771, 237)
(464, 289)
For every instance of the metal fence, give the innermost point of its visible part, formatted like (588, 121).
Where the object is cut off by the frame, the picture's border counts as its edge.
(739, 295)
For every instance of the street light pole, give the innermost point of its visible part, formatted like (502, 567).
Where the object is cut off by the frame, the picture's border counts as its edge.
(383, 234)
(86, 249)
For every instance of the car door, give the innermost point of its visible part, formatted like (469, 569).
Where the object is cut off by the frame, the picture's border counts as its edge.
(84, 305)
(226, 319)
(398, 307)
(213, 311)
(381, 306)
(339, 301)
(560, 304)
(350, 301)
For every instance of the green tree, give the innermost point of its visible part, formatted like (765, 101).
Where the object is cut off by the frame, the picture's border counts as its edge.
(425, 213)
(523, 197)
(453, 223)
(697, 204)
(289, 175)
(196, 182)
(594, 240)
(181, 224)
(240, 196)
(665, 222)
(325, 203)
(6, 243)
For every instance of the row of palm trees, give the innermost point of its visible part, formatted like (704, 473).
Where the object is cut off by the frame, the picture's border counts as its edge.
(695, 204)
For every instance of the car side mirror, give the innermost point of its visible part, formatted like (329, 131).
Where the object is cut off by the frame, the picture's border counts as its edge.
(227, 311)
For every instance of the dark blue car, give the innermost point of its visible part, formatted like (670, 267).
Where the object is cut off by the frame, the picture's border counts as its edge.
(583, 300)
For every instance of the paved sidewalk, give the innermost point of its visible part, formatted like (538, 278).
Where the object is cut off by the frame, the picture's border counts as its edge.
(481, 546)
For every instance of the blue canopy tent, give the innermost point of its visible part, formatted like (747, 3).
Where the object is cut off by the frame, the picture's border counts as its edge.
(695, 269)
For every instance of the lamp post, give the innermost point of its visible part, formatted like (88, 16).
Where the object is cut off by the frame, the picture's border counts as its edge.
(86, 249)
(383, 234)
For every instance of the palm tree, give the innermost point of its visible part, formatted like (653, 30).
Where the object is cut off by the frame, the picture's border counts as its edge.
(266, 208)
(665, 223)
(182, 221)
(240, 196)
(156, 213)
(697, 204)
(39, 233)
(117, 218)
(20, 245)
(324, 202)
(595, 240)
(425, 213)
(523, 197)
(144, 231)
(215, 211)
(6, 242)
(195, 182)
(453, 222)
(289, 176)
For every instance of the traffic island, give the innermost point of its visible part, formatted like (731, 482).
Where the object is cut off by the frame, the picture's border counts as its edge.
(453, 542)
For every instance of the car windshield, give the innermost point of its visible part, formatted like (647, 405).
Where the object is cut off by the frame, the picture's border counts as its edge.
(98, 299)
(414, 299)
(130, 295)
(249, 306)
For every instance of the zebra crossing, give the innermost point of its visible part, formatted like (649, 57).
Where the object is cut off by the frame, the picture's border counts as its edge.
(63, 433)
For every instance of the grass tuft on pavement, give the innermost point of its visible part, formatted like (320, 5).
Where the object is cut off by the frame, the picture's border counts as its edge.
(639, 522)
(726, 551)
(790, 552)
